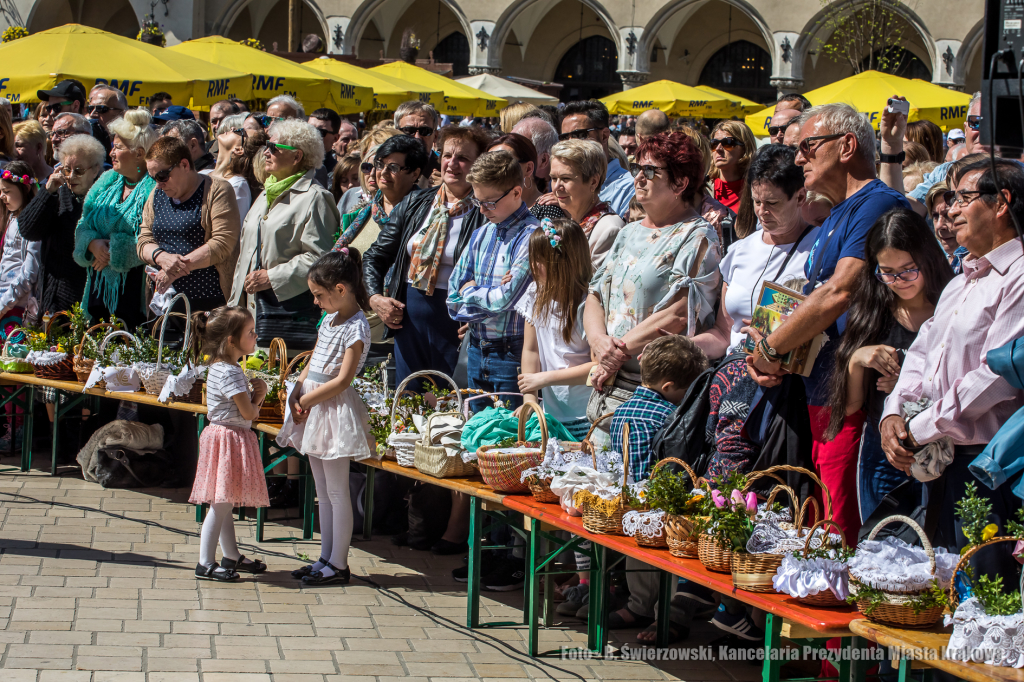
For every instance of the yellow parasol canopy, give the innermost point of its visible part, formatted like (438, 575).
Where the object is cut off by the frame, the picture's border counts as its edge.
(139, 70)
(741, 105)
(868, 93)
(675, 99)
(272, 75)
(388, 92)
(459, 99)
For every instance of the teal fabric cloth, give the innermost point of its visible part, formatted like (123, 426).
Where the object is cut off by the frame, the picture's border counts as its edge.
(495, 424)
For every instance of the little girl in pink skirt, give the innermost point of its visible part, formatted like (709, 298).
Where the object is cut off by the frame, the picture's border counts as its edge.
(230, 470)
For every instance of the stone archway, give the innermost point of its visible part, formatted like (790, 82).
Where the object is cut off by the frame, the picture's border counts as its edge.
(267, 20)
(383, 17)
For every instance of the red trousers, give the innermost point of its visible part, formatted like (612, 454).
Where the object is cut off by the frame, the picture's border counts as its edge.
(836, 462)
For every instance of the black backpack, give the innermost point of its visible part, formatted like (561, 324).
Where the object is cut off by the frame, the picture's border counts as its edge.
(685, 435)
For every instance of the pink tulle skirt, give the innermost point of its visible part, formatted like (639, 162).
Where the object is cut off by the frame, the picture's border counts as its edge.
(229, 469)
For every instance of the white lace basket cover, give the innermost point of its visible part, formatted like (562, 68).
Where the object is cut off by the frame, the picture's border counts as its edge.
(980, 638)
(46, 358)
(895, 566)
(649, 524)
(557, 461)
(180, 384)
(802, 578)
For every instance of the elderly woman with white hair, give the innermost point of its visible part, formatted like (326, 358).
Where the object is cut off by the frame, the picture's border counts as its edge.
(578, 168)
(290, 225)
(105, 240)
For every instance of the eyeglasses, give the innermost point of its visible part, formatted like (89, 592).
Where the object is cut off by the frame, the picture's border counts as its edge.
(581, 134)
(69, 172)
(648, 171)
(423, 131)
(805, 144)
(366, 167)
(890, 277)
(728, 143)
(57, 106)
(275, 147)
(324, 132)
(961, 197)
(241, 132)
(775, 130)
(974, 122)
(267, 120)
(390, 168)
(101, 109)
(490, 205)
(164, 175)
(63, 132)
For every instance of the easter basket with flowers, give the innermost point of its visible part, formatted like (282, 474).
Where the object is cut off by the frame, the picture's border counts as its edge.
(51, 353)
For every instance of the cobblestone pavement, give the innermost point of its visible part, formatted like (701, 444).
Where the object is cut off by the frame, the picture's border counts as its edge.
(96, 586)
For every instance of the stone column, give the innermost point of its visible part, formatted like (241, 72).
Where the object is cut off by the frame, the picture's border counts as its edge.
(484, 53)
(337, 27)
(632, 79)
(787, 63)
(946, 71)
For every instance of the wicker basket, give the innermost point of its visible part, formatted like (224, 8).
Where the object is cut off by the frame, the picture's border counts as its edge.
(12, 364)
(713, 556)
(503, 471)
(433, 460)
(896, 611)
(773, 472)
(83, 365)
(754, 572)
(154, 377)
(63, 370)
(540, 488)
(600, 516)
(825, 597)
(101, 384)
(274, 413)
(277, 356)
(677, 534)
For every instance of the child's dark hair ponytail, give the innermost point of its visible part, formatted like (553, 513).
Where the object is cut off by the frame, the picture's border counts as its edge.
(341, 267)
(211, 332)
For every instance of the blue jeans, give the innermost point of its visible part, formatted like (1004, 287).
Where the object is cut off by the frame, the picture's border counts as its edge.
(429, 337)
(877, 477)
(494, 367)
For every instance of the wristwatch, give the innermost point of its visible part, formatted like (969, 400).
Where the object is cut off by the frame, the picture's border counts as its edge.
(769, 353)
(893, 158)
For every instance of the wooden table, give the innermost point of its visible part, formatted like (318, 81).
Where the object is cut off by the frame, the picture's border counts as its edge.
(926, 648)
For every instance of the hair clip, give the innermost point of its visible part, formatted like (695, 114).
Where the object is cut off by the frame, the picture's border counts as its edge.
(551, 233)
(11, 177)
(344, 250)
(207, 313)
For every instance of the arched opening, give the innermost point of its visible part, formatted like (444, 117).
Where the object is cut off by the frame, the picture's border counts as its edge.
(377, 31)
(242, 27)
(899, 62)
(588, 70)
(454, 50)
(741, 68)
(274, 27)
(115, 16)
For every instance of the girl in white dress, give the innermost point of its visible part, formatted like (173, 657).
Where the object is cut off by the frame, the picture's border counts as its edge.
(326, 419)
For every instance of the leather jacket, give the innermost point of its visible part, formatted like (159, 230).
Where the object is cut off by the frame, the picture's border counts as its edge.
(386, 263)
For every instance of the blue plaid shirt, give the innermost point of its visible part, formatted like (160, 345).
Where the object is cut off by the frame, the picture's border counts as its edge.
(646, 412)
(493, 251)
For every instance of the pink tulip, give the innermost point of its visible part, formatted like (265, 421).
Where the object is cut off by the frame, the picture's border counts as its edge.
(737, 498)
(751, 501)
(718, 498)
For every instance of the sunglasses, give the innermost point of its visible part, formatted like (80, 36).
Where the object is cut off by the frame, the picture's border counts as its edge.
(423, 131)
(366, 167)
(164, 175)
(267, 120)
(241, 132)
(649, 171)
(390, 168)
(323, 132)
(974, 122)
(728, 143)
(276, 148)
(489, 205)
(101, 109)
(776, 130)
(581, 134)
(905, 276)
(961, 198)
(57, 106)
(805, 144)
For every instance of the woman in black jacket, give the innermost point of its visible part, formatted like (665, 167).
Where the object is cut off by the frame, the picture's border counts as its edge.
(425, 335)
(51, 218)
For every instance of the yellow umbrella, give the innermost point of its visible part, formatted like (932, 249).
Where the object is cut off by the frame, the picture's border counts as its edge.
(459, 99)
(272, 75)
(139, 70)
(388, 92)
(675, 99)
(740, 104)
(868, 93)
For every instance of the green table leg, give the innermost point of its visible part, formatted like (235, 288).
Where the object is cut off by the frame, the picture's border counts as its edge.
(859, 668)
(28, 393)
(904, 670)
(476, 524)
(843, 665)
(666, 589)
(772, 640)
(261, 513)
(59, 412)
(549, 585)
(368, 504)
(597, 622)
(530, 606)
(308, 507)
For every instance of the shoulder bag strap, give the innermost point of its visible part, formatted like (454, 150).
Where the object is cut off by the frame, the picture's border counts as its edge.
(789, 255)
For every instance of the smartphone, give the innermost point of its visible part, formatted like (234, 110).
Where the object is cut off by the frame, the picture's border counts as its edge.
(901, 356)
(899, 106)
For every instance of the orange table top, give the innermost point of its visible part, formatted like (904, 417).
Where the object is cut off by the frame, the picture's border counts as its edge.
(819, 619)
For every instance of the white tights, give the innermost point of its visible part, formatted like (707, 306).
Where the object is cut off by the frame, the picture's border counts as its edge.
(331, 478)
(219, 524)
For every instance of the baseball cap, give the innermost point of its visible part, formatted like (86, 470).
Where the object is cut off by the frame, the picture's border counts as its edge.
(174, 113)
(67, 89)
(956, 134)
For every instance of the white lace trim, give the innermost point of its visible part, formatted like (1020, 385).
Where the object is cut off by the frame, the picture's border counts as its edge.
(806, 577)
(557, 461)
(893, 565)
(650, 524)
(46, 358)
(980, 638)
(181, 383)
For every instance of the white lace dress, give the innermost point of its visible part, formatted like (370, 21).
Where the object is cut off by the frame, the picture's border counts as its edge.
(338, 427)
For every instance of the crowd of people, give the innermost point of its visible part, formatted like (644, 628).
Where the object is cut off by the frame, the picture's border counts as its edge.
(585, 263)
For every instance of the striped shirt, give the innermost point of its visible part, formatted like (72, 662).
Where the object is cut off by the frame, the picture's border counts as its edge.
(333, 340)
(224, 381)
(645, 412)
(979, 310)
(494, 250)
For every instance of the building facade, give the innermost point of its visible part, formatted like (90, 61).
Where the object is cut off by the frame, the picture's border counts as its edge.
(754, 48)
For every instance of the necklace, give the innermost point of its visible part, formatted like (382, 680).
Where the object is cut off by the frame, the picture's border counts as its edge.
(128, 183)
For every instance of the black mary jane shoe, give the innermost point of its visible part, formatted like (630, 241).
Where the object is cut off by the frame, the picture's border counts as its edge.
(300, 573)
(341, 577)
(217, 573)
(240, 566)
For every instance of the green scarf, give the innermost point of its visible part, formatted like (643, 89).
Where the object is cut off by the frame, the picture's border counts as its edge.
(275, 188)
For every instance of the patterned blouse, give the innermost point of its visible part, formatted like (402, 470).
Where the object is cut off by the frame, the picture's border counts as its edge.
(646, 270)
